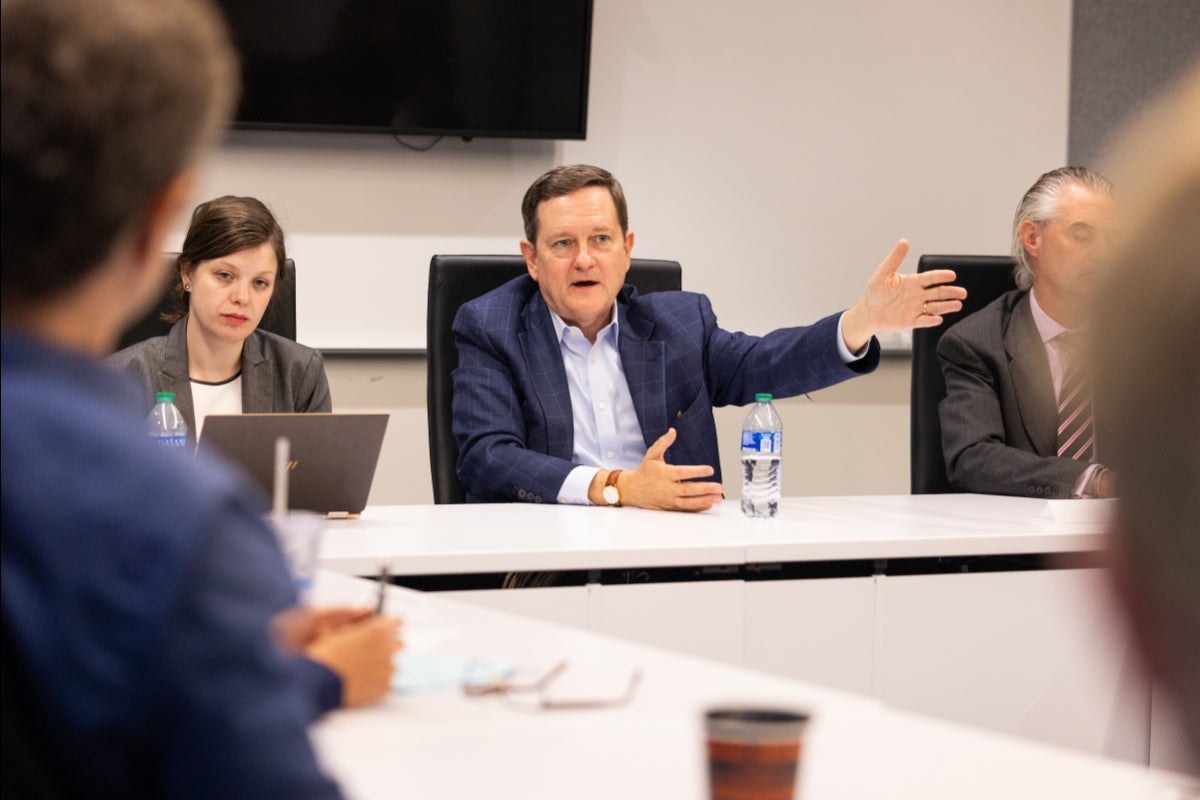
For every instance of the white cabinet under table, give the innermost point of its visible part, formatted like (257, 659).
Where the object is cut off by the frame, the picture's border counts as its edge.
(975, 608)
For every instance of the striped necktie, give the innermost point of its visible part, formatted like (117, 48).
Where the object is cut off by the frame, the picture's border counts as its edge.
(1076, 439)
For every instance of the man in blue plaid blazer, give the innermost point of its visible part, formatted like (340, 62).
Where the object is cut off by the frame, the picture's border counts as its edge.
(572, 388)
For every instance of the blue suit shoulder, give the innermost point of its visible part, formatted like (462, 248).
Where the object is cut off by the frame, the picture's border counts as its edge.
(674, 299)
(102, 464)
(674, 316)
(498, 306)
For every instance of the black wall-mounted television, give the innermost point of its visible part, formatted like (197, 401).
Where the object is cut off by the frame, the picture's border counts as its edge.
(503, 68)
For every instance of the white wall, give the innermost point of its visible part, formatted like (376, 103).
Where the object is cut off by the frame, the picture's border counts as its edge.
(784, 145)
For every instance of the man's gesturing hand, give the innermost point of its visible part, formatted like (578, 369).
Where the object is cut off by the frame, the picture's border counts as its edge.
(895, 302)
(657, 484)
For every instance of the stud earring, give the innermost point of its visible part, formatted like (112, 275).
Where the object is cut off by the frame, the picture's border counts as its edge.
(187, 287)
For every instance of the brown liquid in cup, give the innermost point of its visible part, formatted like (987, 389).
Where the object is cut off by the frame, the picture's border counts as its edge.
(753, 754)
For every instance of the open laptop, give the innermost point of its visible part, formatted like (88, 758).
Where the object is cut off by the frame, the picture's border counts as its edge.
(333, 456)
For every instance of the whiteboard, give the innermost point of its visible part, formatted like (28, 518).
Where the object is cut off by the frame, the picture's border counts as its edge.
(385, 308)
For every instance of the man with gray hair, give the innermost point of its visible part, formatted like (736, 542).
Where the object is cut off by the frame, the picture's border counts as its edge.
(1017, 415)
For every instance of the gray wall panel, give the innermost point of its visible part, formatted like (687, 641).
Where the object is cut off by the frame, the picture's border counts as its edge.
(1122, 51)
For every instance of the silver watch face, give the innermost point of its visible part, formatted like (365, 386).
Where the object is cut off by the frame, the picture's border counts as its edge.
(611, 495)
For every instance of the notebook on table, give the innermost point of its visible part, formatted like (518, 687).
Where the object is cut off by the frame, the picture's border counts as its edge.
(332, 462)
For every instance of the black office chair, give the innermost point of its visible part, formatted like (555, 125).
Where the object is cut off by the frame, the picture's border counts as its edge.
(453, 280)
(280, 319)
(985, 278)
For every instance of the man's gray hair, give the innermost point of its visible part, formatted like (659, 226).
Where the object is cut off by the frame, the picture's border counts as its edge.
(1040, 205)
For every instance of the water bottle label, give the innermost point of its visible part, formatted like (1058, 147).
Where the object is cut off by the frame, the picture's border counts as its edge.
(762, 441)
(172, 442)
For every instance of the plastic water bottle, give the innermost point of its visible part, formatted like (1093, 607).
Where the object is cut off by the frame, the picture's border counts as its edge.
(762, 459)
(166, 424)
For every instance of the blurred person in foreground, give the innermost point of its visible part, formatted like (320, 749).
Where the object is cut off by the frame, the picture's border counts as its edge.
(1145, 348)
(148, 615)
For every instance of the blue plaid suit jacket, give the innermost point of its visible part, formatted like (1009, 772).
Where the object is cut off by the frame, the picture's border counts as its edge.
(512, 408)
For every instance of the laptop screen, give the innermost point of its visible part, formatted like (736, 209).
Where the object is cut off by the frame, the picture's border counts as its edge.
(332, 456)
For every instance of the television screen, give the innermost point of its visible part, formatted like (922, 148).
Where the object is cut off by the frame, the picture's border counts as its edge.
(510, 68)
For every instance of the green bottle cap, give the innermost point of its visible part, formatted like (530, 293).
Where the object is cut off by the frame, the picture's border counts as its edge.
(161, 396)
(763, 397)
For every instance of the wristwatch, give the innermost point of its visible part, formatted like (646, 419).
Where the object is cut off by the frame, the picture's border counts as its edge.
(612, 495)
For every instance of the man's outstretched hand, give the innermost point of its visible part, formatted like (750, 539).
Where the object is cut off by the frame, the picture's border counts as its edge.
(895, 302)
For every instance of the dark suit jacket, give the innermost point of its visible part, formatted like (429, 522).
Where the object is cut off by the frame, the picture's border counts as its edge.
(278, 375)
(512, 406)
(999, 418)
(138, 588)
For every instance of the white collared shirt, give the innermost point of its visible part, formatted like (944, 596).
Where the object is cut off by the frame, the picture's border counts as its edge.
(1049, 330)
(607, 432)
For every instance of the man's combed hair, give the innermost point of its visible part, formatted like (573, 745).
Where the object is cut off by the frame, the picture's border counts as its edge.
(97, 123)
(1040, 205)
(565, 180)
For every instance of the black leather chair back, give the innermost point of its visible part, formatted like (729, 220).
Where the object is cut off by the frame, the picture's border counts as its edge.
(280, 319)
(985, 278)
(453, 280)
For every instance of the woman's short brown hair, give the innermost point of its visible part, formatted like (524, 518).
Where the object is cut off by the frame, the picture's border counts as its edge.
(220, 228)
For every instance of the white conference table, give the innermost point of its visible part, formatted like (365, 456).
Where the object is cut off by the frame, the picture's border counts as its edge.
(462, 539)
(440, 743)
(973, 608)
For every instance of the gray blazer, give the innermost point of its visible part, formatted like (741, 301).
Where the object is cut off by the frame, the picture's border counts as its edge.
(278, 375)
(999, 418)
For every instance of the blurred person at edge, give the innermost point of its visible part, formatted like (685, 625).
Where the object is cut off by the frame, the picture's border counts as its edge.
(1147, 378)
(147, 609)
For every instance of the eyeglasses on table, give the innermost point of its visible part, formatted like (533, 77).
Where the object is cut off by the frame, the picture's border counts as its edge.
(533, 694)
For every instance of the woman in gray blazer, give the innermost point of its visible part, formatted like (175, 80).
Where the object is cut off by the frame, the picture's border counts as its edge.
(215, 360)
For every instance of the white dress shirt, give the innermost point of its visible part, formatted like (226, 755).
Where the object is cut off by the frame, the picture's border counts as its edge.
(607, 432)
